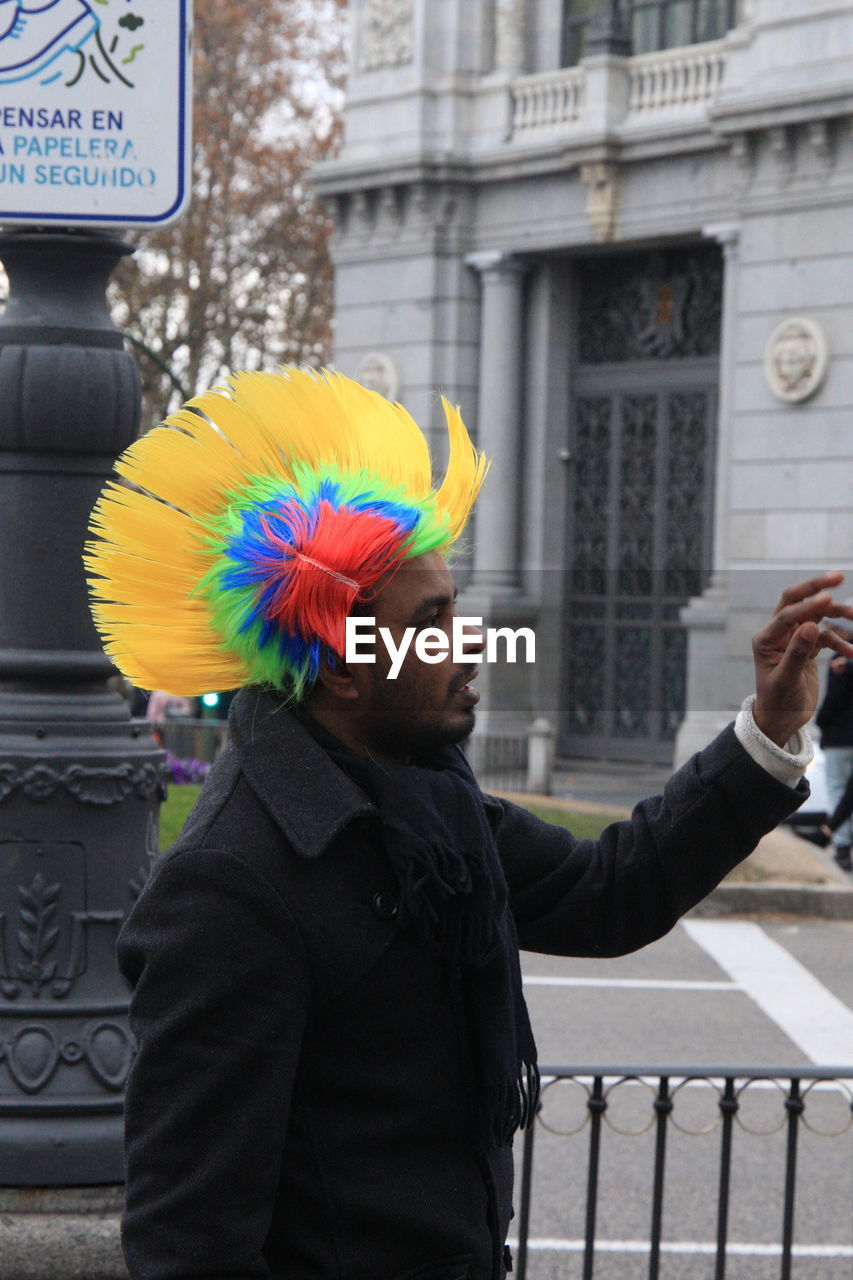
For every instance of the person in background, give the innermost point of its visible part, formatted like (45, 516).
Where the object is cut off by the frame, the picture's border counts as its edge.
(823, 834)
(163, 708)
(167, 706)
(835, 721)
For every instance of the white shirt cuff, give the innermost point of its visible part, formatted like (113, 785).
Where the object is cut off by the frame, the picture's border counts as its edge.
(787, 764)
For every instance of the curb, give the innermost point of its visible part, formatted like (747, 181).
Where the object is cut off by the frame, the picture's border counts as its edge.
(61, 1233)
(826, 902)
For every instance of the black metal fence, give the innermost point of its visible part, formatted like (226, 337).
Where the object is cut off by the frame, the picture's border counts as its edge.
(193, 739)
(774, 1108)
(499, 760)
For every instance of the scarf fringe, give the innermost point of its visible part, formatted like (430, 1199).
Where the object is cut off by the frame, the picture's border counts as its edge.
(431, 878)
(518, 1107)
(454, 899)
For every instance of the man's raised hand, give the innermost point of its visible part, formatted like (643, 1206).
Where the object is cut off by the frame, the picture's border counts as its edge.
(785, 652)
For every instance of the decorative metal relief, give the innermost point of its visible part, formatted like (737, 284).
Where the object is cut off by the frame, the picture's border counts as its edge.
(386, 34)
(652, 306)
(674, 681)
(592, 483)
(37, 935)
(44, 937)
(632, 697)
(34, 1051)
(796, 359)
(637, 495)
(99, 786)
(588, 575)
(687, 494)
(585, 680)
(137, 882)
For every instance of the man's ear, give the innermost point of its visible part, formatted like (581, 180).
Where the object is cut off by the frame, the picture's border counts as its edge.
(336, 678)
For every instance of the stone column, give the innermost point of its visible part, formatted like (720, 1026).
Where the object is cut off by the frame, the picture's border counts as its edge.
(727, 236)
(498, 418)
(706, 616)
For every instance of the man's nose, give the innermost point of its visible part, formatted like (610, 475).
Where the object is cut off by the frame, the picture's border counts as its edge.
(473, 641)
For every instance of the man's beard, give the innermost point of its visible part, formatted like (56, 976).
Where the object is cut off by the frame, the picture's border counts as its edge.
(418, 741)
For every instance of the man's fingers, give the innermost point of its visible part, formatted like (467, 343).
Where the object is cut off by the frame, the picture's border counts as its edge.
(810, 587)
(810, 610)
(829, 638)
(804, 645)
(790, 616)
(809, 601)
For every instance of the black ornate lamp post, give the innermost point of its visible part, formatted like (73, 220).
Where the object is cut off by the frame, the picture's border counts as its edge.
(80, 782)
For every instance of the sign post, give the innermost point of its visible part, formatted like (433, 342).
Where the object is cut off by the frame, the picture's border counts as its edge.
(94, 110)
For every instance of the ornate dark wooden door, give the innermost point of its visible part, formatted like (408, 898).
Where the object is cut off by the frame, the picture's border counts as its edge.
(640, 502)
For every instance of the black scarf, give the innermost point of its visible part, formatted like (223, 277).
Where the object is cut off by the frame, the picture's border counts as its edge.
(453, 896)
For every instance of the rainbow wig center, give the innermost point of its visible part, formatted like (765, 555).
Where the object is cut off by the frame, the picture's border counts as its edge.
(292, 560)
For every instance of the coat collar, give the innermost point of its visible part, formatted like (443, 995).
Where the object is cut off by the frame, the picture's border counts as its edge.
(308, 796)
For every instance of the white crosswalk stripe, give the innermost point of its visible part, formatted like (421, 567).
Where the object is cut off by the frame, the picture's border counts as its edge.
(734, 1248)
(812, 1017)
(635, 984)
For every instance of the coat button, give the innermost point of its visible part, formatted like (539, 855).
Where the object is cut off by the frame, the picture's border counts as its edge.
(385, 905)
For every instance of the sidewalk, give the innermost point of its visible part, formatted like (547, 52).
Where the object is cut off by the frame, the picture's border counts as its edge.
(784, 875)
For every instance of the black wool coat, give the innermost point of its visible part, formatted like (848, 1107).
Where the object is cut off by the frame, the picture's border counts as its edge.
(297, 1108)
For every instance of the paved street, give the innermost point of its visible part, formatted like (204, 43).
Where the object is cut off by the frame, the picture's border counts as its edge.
(714, 992)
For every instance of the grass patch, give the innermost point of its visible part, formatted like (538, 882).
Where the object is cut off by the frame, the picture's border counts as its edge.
(174, 811)
(583, 826)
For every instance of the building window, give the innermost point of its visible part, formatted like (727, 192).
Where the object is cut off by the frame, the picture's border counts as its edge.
(654, 24)
(576, 17)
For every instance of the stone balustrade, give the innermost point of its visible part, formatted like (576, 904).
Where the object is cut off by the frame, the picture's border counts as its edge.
(549, 101)
(675, 78)
(674, 81)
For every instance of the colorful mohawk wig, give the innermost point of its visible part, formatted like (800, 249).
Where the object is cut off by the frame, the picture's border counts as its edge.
(257, 517)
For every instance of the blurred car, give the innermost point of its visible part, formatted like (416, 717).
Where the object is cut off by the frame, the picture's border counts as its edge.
(816, 809)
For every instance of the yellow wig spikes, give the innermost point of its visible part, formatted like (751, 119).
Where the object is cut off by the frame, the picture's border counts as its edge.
(256, 517)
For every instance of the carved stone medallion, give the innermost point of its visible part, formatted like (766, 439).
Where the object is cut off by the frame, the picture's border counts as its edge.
(377, 372)
(796, 359)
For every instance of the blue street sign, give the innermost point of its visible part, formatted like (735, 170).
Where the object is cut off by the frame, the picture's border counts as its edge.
(94, 111)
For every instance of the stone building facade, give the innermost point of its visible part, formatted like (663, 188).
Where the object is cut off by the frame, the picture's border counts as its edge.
(634, 271)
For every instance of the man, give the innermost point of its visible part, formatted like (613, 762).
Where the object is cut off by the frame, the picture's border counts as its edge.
(334, 1050)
